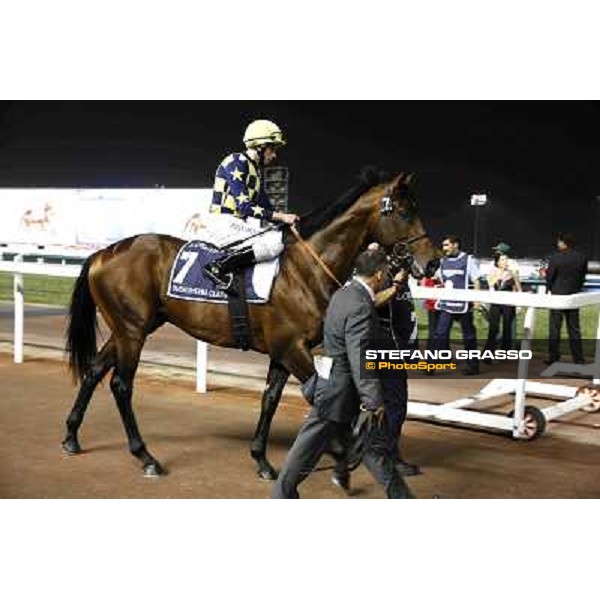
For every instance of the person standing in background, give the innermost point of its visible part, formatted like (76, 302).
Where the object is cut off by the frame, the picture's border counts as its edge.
(457, 269)
(566, 273)
(429, 305)
(502, 279)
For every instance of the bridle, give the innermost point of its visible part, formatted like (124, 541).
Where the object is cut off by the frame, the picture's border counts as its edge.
(400, 255)
(386, 206)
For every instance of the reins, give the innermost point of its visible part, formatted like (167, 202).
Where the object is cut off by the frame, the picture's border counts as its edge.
(322, 264)
(317, 258)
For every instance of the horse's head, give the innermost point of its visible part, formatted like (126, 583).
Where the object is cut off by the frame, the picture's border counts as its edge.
(398, 227)
(375, 209)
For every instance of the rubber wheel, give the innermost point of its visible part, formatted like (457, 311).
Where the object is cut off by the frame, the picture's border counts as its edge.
(535, 423)
(594, 405)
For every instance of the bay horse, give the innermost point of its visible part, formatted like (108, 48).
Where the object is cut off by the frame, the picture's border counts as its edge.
(127, 283)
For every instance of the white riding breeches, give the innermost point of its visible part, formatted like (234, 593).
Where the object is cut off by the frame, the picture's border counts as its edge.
(267, 246)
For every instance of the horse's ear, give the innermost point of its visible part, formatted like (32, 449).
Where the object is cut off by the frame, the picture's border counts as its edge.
(396, 184)
(409, 178)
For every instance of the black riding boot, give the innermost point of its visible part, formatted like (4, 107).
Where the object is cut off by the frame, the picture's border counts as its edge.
(220, 271)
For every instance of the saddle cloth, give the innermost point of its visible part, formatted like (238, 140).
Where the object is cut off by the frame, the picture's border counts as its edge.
(188, 282)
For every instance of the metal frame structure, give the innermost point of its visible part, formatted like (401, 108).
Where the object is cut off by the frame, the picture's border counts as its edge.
(524, 422)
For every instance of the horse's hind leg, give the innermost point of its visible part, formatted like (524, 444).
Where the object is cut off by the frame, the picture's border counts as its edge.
(121, 384)
(276, 380)
(104, 361)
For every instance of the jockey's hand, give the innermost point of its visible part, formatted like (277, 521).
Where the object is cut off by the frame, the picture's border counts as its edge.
(287, 218)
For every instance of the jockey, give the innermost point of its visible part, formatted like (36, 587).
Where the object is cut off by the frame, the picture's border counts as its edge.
(238, 193)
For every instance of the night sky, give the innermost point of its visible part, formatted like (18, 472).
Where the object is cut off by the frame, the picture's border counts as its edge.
(537, 161)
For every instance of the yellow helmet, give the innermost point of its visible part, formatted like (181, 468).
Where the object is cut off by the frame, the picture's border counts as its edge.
(262, 132)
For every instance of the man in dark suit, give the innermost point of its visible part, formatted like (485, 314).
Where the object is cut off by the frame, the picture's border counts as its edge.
(565, 275)
(341, 394)
(397, 331)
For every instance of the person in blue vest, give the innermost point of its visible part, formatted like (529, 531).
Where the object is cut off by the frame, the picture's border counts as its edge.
(238, 193)
(457, 269)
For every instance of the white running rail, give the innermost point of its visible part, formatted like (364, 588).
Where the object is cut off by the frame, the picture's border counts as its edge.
(19, 268)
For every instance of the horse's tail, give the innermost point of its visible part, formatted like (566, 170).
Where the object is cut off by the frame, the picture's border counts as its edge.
(82, 325)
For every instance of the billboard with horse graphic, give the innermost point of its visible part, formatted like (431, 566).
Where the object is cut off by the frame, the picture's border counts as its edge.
(89, 219)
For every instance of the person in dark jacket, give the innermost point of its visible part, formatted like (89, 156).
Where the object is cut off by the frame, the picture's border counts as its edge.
(399, 331)
(341, 393)
(565, 275)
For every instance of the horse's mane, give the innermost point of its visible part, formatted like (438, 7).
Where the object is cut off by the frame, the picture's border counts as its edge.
(322, 216)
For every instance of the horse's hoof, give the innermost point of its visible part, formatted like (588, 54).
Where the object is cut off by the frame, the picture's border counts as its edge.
(267, 473)
(153, 470)
(71, 447)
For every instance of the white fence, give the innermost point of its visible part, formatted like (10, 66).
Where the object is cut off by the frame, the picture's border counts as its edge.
(460, 410)
(19, 268)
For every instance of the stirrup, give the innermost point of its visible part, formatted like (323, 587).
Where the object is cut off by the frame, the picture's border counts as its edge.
(223, 282)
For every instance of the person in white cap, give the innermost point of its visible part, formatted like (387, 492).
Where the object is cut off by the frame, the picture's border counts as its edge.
(238, 192)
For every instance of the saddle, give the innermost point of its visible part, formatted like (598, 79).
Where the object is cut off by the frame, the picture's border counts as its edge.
(251, 285)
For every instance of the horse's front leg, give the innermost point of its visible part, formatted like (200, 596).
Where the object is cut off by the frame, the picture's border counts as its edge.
(276, 380)
(298, 361)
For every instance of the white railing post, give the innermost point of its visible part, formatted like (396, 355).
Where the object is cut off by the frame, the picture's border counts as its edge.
(596, 371)
(522, 372)
(19, 312)
(201, 366)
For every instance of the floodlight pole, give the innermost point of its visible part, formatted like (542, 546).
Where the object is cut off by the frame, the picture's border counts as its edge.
(475, 229)
(477, 200)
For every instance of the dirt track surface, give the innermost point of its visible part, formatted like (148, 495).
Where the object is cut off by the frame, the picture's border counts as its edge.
(203, 441)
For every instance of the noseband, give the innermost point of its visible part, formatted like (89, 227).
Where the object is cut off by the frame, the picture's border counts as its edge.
(401, 257)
